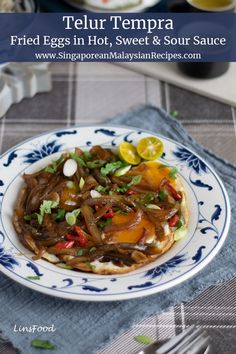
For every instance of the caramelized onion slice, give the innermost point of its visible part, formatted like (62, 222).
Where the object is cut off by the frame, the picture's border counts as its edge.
(138, 257)
(162, 214)
(142, 187)
(118, 258)
(117, 200)
(105, 199)
(90, 222)
(101, 212)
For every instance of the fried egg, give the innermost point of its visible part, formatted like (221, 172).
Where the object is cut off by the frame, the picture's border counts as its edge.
(152, 174)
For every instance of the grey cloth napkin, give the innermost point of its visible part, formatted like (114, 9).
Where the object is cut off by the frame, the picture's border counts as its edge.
(83, 327)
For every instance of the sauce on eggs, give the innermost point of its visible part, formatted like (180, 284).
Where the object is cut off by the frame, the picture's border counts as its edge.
(152, 173)
(134, 234)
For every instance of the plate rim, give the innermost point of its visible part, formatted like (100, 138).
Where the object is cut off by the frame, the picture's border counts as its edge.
(147, 291)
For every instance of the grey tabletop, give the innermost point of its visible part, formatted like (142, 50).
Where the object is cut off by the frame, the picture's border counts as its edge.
(92, 93)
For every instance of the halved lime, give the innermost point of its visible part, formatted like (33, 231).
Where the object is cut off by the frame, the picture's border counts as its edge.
(128, 153)
(150, 148)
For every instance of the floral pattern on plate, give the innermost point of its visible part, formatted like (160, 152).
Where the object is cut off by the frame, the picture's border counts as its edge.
(208, 226)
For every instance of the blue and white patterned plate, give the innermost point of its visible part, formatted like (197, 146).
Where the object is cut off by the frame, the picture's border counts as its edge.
(207, 230)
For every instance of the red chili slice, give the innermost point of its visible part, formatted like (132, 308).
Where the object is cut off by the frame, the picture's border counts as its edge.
(66, 244)
(109, 214)
(174, 220)
(131, 192)
(71, 237)
(81, 238)
(176, 195)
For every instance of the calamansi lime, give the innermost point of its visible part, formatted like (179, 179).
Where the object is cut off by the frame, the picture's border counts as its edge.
(150, 148)
(128, 153)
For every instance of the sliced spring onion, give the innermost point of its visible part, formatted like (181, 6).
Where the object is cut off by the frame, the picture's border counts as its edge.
(122, 171)
(179, 224)
(72, 216)
(111, 167)
(101, 189)
(153, 206)
(96, 164)
(59, 214)
(53, 167)
(80, 253)
(64, 266)
(70, 184)
(91, 266)
(46, 208)
(146, 340)
(30, 217)
(180, 233)
(103, 224)
(50, 257)
(78, 159)
(87, 155)
(173, 172)
(162, 196)
(70, 219)
(135, 180)
(42, 344)
(81, 182)
(148, 198)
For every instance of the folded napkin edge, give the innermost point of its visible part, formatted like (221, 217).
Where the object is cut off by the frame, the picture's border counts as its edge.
(135, 320)
(178, 124)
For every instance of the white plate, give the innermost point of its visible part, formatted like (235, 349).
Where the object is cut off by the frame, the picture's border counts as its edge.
(208, 227)
(145, 4)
